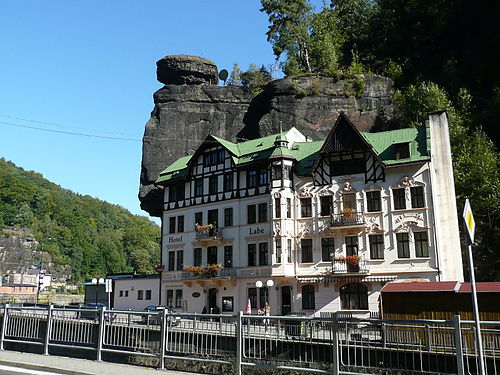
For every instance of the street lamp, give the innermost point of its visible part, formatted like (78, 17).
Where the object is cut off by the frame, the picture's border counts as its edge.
(269, 284)
(97, 282)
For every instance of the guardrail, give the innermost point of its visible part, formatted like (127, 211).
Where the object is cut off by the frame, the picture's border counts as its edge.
(331, 345)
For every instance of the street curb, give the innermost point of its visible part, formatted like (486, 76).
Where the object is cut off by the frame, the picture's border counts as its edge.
(29, 366)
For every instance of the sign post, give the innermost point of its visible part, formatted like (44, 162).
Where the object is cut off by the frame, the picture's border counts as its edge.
(470, 227)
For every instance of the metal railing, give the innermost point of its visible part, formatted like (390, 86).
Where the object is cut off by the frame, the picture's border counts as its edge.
(224, 272)
(352, 218)
(330, 344)
(344, 266)
(208, 233)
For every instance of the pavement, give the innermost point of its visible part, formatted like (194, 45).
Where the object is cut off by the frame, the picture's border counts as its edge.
(76, 366)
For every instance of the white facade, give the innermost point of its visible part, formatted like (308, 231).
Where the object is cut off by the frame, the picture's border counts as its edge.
(135, 293)
(327, 226)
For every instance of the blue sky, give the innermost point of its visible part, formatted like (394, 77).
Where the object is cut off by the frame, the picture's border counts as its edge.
(89, 67)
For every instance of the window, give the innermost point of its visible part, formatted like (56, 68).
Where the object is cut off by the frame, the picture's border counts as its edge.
(171, 260)
(421, 244)
(178, 298)
(180, 224)
(263, 254)
(197, 256)
(171, 225)
(287, 172)
(399, 199)
(305, 207)
(227, 304)
(326, 203)
(228, 217)
(213, 217)
(278, 250)
(126, 293)
(403, 245)
(251, 214)
(121, 293)
(251, 179)
(212, 255)
(417, 197)
(263, 297)
(140, 294)
(176, 193)
(351, 245)
(262, 177)
(198, 218)
(148, 294)
(308, 302)
(289, 250)
(252, 296)
(376, 246)
(306, 246)
(228, 256)
(276, 172)
(327, 249)
(373, 203)
(277, 208)
(354, 297)
(198, 187)
(228, 182)
(170, 298)
(213, 158)
(213, 184)
(252, 254)
(288, 208)
(180, 260)
(402, 150)
(262, 212)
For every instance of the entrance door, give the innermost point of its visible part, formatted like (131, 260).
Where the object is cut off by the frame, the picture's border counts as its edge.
(286, 300)
(212, 301)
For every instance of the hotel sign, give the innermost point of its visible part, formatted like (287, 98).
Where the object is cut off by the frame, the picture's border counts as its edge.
(174, 240)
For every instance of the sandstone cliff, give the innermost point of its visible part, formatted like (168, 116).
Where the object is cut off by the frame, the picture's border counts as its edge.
(190, 106)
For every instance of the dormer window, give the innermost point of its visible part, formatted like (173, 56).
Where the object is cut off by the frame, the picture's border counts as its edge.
(402, 150)
(213, 158)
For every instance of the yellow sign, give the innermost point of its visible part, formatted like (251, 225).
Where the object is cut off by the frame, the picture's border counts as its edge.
(469, 220)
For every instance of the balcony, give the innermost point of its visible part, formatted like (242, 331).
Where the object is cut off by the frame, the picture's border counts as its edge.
(347, 219)
(349, 265)
(208, 232)
(208, 272)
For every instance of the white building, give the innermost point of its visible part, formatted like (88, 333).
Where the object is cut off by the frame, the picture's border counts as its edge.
(134, 292)
(329, 222)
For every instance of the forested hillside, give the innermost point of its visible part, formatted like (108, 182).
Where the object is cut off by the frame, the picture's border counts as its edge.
(92, 236)
(441, 55)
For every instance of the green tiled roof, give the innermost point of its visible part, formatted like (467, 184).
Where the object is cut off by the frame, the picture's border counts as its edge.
(305, 153)
(383, 144)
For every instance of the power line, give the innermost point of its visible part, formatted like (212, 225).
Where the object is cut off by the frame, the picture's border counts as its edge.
(70, 133)
(60, 125)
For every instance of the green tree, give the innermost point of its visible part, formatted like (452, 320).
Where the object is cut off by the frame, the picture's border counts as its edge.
(235, 76)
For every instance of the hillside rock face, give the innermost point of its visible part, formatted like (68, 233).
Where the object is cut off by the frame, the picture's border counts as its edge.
(187, 110)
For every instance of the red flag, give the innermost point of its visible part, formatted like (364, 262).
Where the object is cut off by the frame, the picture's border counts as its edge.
(249, 307)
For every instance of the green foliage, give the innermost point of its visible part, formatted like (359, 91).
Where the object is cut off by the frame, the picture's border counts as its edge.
(92, 236)
(476, 163)
(254, 78)
(235, 76)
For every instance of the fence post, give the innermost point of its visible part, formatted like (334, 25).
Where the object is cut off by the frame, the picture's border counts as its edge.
(100, 336)
(335, 342)
(48, 330)
(458, 345)
(4, 324)
(384, 335)
(163, 338)
(428, 329)
(239, 342)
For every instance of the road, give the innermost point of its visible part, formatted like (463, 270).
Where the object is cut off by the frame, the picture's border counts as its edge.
(8, 370)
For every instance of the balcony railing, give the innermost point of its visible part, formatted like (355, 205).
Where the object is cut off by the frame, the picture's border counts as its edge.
(346, 265)
(204, 232)
(224, 272)
(347, 219)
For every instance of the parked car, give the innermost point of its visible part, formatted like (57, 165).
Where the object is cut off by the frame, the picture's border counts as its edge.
(91, 311)
(155, 315)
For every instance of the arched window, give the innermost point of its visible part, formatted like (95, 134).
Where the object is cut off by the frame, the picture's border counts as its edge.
(308, 302)
(354, 297)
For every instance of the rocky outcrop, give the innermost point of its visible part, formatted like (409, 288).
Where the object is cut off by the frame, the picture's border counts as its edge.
(189, 70)
(184, 114)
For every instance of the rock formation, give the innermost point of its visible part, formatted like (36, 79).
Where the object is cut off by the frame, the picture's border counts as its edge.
(190, 106)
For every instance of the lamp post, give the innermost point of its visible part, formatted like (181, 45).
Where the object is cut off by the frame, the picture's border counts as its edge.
(269, 284)
(97, 282)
